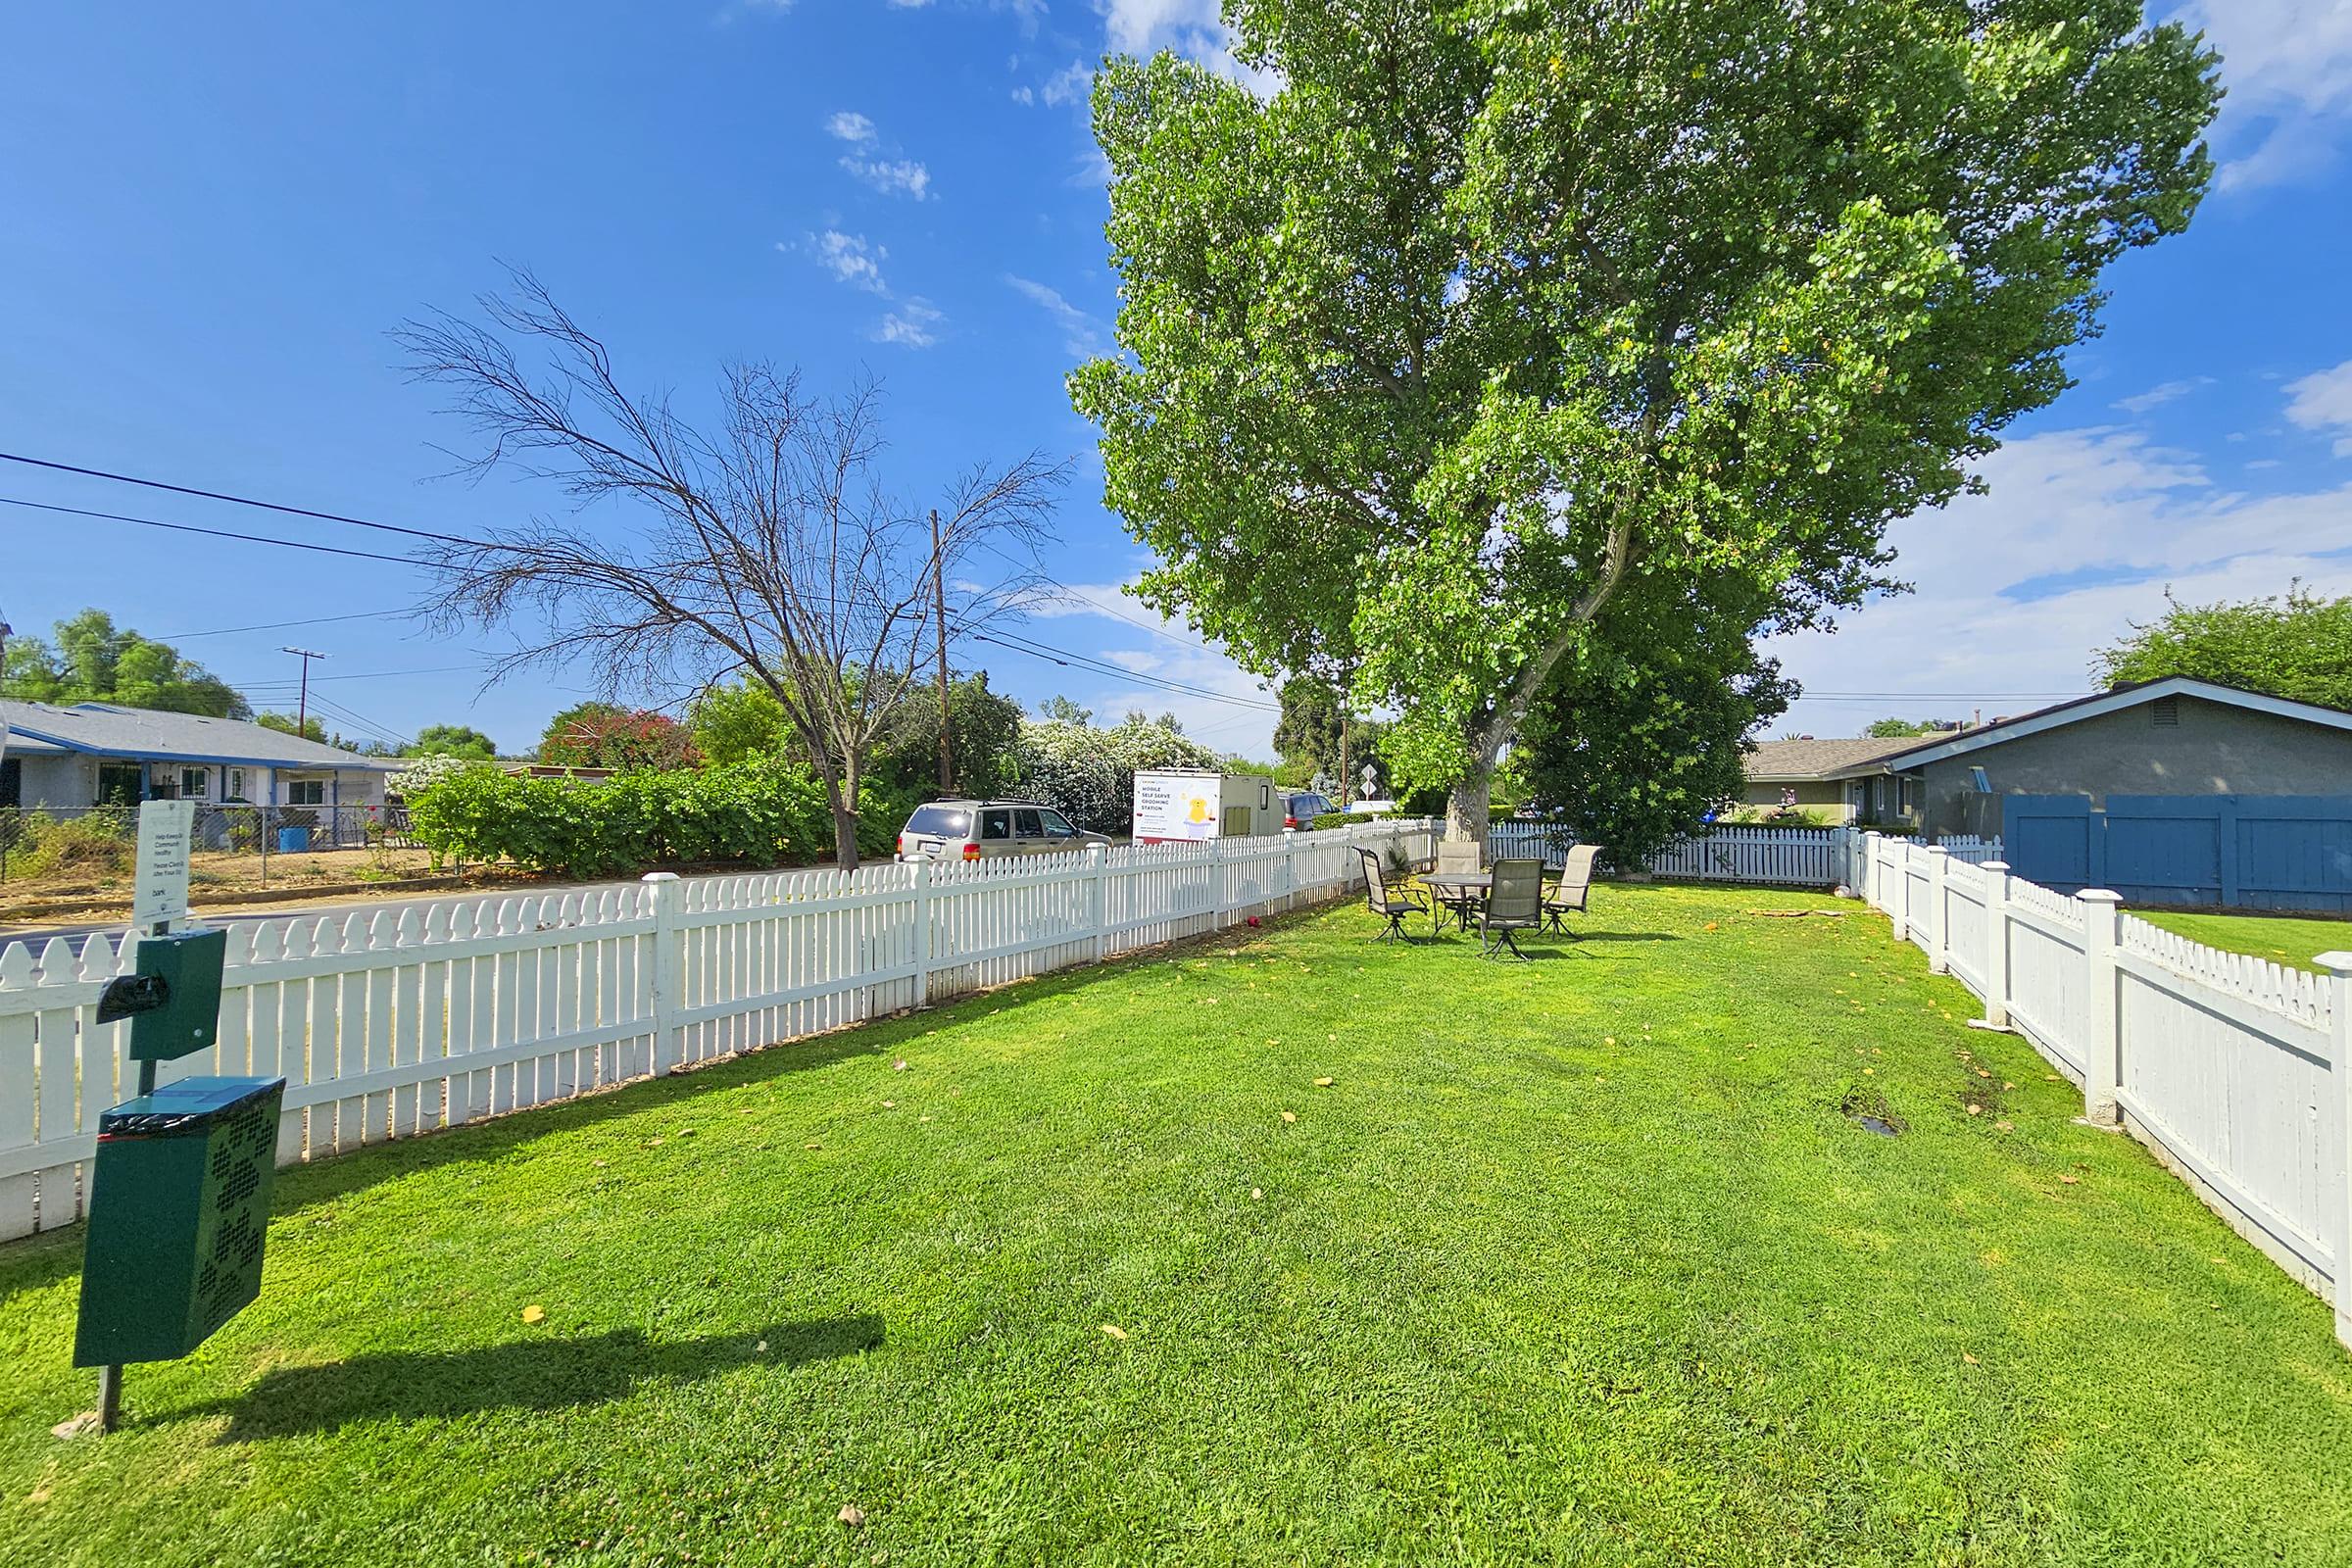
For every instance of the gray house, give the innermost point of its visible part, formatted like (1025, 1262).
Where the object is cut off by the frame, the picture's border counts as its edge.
(98, 753)
(2175, 736)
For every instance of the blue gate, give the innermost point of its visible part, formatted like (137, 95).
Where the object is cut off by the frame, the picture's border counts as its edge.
(2278, 851)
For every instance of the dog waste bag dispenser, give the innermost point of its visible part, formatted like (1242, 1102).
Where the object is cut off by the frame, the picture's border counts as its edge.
(179, 1210)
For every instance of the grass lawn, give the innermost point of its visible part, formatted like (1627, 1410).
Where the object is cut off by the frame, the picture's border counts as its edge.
(2278, 938)
(1574, 1261)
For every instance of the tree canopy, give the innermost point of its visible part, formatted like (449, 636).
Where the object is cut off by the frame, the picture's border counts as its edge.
(1891, 730)
(1491, 310)
(92, 660)
(452, 740)
(2298, 646)
(607, 735)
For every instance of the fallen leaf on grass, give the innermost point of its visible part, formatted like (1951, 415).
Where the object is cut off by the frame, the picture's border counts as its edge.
(534, 1313)
(851, 1515)
(653, 1143)
(2005, 1126)
(890, 1104)
(87, 1421)
(812, 1146)
(1970, 1359)
(2072, 1181)
(926, 1118)
(1114, 1331)
(899, 1065)
(600, 1164)
(1289, 1115)
(1973, 1111)
(1256, 1197)
(1322, 1082)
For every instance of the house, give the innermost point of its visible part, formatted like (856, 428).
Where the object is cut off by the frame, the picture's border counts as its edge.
(1828, 778)
(99, 753)
(2175, 736)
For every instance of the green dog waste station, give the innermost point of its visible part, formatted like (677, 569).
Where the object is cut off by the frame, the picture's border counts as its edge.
(179, 1206)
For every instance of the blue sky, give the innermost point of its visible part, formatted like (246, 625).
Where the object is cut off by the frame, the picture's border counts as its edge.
(215, 212)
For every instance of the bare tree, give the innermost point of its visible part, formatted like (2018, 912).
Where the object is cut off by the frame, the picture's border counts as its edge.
(768, 544)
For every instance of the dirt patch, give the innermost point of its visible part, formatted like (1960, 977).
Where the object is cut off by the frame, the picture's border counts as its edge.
(1868, 1109)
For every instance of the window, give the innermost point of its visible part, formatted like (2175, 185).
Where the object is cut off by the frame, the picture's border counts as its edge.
(940, 821)
(2165, 713)
(1978, 782)
(236, 785)
(194, 783)
(1902, 797)
(1057, 825)
(995, 824)
(305, 792)
(1026, 826)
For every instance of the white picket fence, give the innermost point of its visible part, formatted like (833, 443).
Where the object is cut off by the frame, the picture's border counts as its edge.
(388, 1027)
(1771, 856)
(2237, 1072)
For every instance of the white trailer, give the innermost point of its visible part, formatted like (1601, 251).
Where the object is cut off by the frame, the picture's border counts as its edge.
(1177, 805)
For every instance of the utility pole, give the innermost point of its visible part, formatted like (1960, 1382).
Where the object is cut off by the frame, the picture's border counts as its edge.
(938, 602)
(302, 706)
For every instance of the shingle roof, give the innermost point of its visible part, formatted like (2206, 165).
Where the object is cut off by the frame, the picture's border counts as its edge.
(1777, 761)
(103, 729)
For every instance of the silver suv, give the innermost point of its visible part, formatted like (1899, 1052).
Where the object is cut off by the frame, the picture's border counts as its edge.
(982, 830)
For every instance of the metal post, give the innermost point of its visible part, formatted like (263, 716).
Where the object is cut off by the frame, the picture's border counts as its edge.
(939, 602)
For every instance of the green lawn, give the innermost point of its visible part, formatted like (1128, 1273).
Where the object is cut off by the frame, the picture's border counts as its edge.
(2277, 938)
(1575, 1261)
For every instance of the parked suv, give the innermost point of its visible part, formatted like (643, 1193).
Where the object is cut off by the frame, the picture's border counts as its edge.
(1305, 808)
(982, 830)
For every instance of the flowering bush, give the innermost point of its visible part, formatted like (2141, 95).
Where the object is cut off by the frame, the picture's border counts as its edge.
(426, 771)
(1088, 774)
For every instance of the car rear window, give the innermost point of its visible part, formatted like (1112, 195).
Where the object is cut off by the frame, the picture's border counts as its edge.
(940, 821)
(995, 824)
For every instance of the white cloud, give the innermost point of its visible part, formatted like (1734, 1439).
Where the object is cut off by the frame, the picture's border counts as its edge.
(851, 127)
(2085, 528)
(914, 325)
(2288, 66)
(2323, 401)
(1068, 84)
(1081, 334)
(892, 176)
(850, 260)
(1194, 29)
(2161, 393)
(1023, 96)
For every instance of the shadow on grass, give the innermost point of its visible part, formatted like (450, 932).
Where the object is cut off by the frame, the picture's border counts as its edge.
(536, 1374)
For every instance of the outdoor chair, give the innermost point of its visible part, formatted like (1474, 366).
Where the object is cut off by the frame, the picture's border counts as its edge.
(1386, 902)
(1567, 895)
(1455, 856)
(1516, 904)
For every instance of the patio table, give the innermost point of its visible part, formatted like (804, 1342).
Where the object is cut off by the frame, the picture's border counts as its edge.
(1452, 882)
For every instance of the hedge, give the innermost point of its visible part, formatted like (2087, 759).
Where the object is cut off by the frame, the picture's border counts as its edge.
(762, 811)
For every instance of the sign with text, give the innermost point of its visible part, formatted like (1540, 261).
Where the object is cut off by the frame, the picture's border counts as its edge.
(1176, 806)
(160, 888)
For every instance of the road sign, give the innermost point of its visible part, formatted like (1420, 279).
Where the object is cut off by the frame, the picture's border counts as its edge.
(160, 892)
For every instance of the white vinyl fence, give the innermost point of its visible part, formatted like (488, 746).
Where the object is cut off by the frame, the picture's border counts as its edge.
(1771, 857)
(385, 1026)
(2237, 1072)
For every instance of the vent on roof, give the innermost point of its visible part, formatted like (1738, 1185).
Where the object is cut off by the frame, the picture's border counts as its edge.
(2165, 713)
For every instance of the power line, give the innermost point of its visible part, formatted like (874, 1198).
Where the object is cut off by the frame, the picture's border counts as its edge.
(212, 534)
(1067, 659)
(281, 625)
(237, 500)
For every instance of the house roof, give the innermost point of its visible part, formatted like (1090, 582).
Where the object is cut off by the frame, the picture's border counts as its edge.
(2099, 704)
(1779, 761)
(104, 729)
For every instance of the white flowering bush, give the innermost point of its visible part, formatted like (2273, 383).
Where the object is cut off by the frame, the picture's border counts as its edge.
(1088, 774)
(424, 773)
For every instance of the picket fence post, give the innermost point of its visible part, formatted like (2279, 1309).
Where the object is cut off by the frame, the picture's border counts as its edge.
(1289, 868)
(1216, 885)
(2102, 1024)
(669, 959)
(1940, 918)
(1868, 887)
(2337, 1151)
(1097, 866)
(1996, 944)
(922, 933)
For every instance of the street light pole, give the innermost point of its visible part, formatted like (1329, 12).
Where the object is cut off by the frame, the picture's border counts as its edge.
(302, 706)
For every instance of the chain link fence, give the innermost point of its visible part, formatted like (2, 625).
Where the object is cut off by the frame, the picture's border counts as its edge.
(73, 852)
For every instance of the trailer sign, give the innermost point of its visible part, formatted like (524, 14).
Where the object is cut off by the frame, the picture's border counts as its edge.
(1176, 807)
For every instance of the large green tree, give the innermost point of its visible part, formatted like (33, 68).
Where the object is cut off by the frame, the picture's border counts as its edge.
(1487, 310)
(93, 661)
(2299, 647)
(1642, 729)
(452, 740)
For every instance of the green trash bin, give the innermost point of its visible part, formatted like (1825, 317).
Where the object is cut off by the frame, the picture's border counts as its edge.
(179, 1210)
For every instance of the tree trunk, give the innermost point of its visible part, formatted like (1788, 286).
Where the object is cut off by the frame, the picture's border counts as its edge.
(1466, 807)
(845, 839)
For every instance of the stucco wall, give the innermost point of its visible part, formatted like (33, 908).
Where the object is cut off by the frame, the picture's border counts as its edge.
(56, 781)
(2216, 750)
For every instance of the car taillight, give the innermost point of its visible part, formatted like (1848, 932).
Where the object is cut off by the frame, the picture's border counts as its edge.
(1290, 821)
(902, 844)
(971, 851)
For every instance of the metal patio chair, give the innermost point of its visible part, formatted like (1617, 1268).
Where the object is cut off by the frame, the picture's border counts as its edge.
(1567, 895)
(1515, 903)
(1386, 902)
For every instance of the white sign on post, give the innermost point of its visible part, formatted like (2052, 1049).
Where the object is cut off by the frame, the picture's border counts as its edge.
(161, 890)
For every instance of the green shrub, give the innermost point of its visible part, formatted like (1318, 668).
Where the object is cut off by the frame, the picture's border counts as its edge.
(762, 812)
(97, 844)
